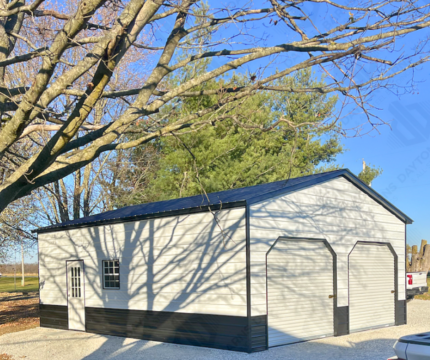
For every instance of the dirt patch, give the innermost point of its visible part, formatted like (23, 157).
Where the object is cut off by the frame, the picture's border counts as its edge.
(18, 312)
(6, 357)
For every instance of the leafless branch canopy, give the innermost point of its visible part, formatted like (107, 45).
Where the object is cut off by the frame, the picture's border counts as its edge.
(57, 65)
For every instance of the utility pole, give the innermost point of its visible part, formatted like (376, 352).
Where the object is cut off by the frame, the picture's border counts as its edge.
(22, 261)
(364, 169)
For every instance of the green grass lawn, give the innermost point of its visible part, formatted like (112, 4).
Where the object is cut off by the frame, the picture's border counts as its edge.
(425, 296)
(7, 284)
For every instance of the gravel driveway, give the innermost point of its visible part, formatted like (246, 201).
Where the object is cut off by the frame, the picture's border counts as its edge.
(45, 344)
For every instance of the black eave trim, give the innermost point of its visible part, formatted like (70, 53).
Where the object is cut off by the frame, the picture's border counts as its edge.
(330, 176)
(377, 197)
(246, 202)
(199, 209)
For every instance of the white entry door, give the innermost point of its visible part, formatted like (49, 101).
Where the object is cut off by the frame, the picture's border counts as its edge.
(300, 291)
(371, 287)
(75, 295)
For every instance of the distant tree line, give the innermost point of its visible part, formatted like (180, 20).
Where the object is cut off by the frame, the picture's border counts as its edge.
(29, 269)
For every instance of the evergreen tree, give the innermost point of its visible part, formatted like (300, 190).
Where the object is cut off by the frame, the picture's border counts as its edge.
(227, 156)
(211, 158)
(369, 173)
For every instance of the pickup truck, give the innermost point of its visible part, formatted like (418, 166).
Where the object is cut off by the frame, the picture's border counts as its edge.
(412, 347)
(416, 284)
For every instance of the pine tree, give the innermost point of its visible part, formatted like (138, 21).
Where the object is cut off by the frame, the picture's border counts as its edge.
(228, 156)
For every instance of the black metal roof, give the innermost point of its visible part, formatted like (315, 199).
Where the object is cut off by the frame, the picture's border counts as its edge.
(220, 200)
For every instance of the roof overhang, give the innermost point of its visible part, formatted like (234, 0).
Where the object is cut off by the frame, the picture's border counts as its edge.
(184, 211)
(330, 176)
(241, 203)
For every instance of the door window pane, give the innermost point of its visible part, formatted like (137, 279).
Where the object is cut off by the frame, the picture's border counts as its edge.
(75, 282)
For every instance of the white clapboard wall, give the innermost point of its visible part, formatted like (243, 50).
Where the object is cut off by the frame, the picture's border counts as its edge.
(189, 263)
(336, 211)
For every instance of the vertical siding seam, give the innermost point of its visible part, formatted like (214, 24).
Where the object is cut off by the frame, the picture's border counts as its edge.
(248, 278)
(335, 311)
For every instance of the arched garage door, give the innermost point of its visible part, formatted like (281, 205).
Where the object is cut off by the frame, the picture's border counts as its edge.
(299, 291)
(371, 287)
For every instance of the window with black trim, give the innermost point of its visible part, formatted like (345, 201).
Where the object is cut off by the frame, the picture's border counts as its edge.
(111, 274)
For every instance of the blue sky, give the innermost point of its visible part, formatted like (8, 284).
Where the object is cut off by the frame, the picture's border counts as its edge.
(403, 152)
(401, 149)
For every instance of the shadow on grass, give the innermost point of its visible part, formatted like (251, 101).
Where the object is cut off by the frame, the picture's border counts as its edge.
(16, 309)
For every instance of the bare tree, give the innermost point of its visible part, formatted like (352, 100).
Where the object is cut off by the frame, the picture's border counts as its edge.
(53, 77)
(16, 223)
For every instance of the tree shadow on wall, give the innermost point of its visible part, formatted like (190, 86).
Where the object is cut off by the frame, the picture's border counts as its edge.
(185, 265)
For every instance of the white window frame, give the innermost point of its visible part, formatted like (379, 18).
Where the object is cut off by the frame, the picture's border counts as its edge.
(114, 265)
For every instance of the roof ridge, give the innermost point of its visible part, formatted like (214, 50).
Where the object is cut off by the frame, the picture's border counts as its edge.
(217, 192)
(239, 197)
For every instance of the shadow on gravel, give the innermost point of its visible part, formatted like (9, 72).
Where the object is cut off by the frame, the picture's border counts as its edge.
(118, 348)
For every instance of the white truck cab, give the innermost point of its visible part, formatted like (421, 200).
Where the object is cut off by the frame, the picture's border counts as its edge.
(416, 284)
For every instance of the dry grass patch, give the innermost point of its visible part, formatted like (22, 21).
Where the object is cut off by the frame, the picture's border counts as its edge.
(425, 296)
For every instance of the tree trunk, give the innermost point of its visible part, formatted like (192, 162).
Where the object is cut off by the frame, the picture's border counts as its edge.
(22, 263)
(77, 196)
(420, 261)
(61, 203)
(87, 188)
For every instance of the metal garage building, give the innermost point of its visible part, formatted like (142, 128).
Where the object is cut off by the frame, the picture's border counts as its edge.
(256, 267)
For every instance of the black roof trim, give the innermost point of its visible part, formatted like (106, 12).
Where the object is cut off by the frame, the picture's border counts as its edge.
(377, 197)
(221, 200)
(332, 175)
(195, 210)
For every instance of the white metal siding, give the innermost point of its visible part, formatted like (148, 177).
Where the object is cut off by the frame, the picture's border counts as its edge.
(371, 282)
(336, 211)
(188, 263)
(299, 283)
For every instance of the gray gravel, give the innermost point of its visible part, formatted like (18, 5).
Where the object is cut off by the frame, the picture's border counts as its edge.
(46, 344)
